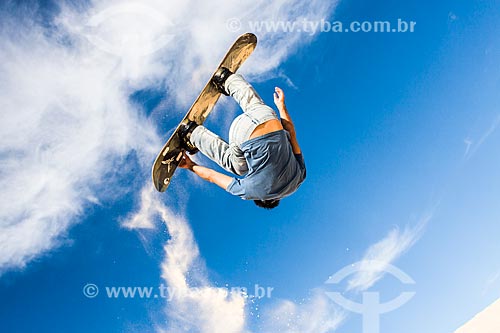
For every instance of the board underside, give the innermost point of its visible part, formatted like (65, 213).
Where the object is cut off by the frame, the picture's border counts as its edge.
(170, 155)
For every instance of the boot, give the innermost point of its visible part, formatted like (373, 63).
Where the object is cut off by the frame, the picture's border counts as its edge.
(185, 135)
(220, 78)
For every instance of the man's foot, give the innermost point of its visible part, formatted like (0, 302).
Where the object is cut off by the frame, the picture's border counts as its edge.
(220, 78)
(185, 135)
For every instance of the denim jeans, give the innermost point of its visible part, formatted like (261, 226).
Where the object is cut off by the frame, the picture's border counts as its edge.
(229, 155)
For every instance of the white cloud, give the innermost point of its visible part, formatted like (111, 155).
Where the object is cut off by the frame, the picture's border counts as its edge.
(143, 219)
(471, 147)
(65, 123)
(317, 315)
(197, 305)
(491, 281)
(379, 255)
(66, 119)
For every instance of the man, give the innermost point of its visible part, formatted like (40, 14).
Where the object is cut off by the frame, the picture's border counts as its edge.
(262, 148)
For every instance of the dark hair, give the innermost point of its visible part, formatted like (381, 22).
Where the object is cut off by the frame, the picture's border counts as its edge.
(267, 204)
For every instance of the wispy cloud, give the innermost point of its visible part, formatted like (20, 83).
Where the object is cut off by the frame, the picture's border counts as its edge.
(379, 255)
(65, 83)
(65, 122)
(471, 147)
(197, 305)
(491, 281)
(317, 315)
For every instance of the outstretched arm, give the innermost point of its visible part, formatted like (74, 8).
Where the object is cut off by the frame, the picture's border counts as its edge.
(207, 174)
(286, 120)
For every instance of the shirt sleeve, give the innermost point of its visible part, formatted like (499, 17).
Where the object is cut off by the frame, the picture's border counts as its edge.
(300, 160)
(302, 164)
(236, 187)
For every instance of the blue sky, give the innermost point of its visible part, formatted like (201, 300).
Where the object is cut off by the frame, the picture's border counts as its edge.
(399, 134)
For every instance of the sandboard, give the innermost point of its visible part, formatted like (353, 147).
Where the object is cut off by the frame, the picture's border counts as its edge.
(171, 154)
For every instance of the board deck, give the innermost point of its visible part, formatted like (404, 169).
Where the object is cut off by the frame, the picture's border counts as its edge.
(170, 155)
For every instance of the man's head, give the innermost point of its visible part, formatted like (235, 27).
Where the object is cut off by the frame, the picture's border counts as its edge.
(267, 204)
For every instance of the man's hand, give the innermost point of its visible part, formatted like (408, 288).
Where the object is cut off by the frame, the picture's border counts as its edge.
(186, 162)
(279, 98)
(207, 174)
(286, 120)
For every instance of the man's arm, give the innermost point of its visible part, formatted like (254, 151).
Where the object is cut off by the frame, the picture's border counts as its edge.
(286, 120)
(207, 174)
